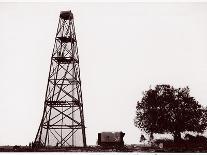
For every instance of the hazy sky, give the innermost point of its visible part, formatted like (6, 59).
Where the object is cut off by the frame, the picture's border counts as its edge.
(123, 48)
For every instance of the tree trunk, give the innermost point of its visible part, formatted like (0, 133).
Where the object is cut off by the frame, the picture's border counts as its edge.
(177, 136)
(151, 136)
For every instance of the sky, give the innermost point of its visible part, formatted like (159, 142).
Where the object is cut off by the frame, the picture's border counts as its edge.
(124, 48)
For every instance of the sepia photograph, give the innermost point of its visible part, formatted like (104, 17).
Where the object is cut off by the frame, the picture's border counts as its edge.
(123, 77)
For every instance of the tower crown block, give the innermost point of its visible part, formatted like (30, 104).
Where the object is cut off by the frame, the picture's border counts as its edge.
(66, 15)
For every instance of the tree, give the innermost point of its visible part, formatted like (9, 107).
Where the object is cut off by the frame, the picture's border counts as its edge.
(169, 110)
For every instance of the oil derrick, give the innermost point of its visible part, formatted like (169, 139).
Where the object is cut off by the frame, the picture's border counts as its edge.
(62, 122)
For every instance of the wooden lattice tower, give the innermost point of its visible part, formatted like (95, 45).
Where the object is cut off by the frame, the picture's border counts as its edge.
(62, 122)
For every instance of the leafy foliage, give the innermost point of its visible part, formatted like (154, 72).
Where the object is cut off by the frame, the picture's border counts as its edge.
(166, 109)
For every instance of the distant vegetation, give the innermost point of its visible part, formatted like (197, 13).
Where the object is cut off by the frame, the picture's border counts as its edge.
(166, 109)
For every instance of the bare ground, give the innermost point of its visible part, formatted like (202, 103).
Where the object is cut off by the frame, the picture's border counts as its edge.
(127, 148)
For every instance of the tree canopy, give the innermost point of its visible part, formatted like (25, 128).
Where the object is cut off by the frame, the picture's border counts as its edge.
(166, 109)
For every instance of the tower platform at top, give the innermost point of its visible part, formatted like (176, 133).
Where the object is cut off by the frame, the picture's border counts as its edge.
(66, 15)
